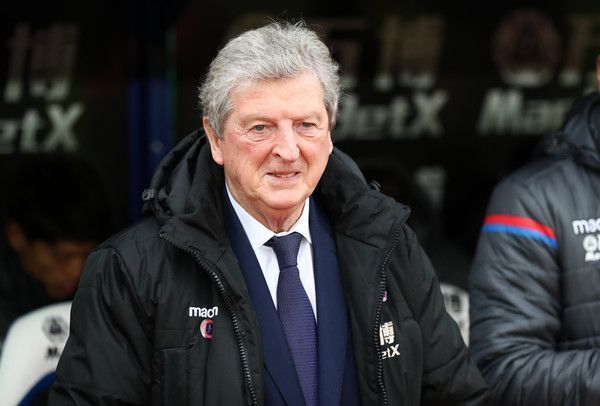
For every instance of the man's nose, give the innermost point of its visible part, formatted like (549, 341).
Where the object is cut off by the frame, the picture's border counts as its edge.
(286, 144)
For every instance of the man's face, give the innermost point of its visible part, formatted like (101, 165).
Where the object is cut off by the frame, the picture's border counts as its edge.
(275, 145)
(57, 265)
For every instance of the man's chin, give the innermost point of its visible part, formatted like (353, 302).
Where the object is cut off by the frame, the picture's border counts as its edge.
(286, 204)
(61, 293)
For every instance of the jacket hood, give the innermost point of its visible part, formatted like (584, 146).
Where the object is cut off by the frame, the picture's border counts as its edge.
(186, 183)
(579, 136)
(188, 186)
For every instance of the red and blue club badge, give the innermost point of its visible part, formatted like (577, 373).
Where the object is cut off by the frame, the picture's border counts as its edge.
(207, 328)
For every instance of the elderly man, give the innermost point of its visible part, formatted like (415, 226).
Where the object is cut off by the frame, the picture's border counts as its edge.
(535, 282)
(267, 271)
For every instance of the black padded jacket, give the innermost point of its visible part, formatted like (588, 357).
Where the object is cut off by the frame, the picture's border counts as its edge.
(133, 342)
(535, 280)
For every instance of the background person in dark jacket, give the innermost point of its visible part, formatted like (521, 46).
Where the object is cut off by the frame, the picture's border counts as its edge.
(54, 212)
(535, 281)
(190, 306)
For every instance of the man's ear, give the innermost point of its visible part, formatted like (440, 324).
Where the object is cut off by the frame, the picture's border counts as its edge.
(215, 142)
(16, 236)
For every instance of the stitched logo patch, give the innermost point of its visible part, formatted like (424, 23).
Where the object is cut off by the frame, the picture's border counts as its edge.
(203, 312)
(207, 328)
(591, 240)
(387, 338)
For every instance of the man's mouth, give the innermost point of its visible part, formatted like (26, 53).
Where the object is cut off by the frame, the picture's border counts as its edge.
(283, 175)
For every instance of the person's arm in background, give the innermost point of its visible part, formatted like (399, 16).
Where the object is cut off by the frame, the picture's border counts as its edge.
(515, 308)
(108, 354)
(449, 375)
(7, 316)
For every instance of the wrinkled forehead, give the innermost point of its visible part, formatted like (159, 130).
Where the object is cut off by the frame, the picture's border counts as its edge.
(246, 88)
(246, 82)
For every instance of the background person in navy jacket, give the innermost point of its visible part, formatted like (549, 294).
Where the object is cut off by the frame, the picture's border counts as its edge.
(535, 281)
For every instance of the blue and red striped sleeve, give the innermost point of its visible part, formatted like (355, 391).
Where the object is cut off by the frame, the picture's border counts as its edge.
(520, 226)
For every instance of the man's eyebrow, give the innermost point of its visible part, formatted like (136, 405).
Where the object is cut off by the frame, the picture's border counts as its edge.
(265, 117)
(312, 114)
(255, 116)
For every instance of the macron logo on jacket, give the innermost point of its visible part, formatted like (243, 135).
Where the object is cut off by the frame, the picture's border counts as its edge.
(591, 242)
(203, 312)
(586, 226)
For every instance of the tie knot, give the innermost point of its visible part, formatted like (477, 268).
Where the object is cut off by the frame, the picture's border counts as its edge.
(286, 249)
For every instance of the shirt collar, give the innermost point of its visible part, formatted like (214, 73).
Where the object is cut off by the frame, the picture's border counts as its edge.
(258, 234)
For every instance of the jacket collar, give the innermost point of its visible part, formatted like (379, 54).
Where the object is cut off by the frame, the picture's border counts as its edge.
(186, 194)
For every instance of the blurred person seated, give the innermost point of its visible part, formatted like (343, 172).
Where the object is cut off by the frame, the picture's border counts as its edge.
(32, 348)
(54, 211)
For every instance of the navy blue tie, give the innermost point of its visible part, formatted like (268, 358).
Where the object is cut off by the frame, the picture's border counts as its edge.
(296, 315)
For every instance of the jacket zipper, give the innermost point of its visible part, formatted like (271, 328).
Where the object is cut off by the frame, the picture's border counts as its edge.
(380, 381)
(236, 326)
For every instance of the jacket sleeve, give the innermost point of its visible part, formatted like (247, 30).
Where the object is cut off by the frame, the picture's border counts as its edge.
(450, 377)
(515, 311)
(107, 358)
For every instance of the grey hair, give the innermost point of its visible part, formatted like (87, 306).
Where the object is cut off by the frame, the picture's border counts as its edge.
(275, 51)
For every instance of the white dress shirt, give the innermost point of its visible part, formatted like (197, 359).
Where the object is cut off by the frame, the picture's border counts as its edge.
(258, 235)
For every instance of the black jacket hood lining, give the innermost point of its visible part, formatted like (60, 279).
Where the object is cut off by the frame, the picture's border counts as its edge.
(579, 136)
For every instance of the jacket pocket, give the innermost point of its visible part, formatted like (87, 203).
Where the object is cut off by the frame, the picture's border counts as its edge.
(173, 376)
(402, 363)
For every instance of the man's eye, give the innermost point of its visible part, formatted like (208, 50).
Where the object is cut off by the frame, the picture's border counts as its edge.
(308, 125)
(259, 127)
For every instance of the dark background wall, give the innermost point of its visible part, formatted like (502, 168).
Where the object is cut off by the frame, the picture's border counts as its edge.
(441, 99)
